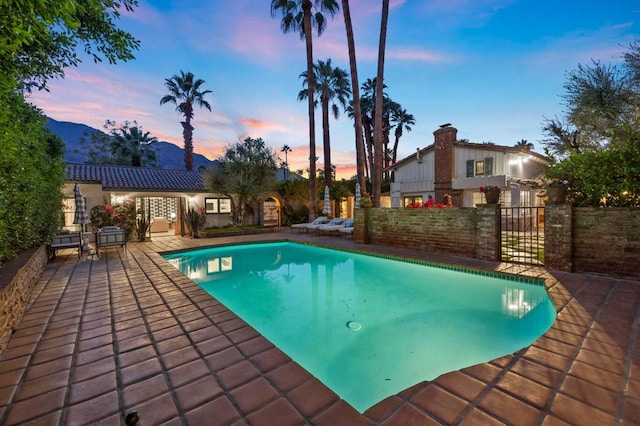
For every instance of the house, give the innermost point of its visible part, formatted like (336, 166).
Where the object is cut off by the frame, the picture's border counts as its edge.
(162, 192)
(449, 166)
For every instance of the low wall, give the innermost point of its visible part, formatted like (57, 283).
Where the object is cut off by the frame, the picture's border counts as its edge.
(19, 277)
(607, 241)
(469, 232)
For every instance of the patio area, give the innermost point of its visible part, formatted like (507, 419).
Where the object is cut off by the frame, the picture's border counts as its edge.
(127, 331)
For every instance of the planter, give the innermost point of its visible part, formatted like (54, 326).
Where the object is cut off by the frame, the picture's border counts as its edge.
(557, 194)
(492, 197)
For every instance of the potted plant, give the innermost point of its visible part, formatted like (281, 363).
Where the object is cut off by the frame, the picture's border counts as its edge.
(557, 190)
(491, 193)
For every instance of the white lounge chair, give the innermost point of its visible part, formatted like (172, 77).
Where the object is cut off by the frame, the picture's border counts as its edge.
(333, 228)
(346, 229)
(303, 226)
(333, 222)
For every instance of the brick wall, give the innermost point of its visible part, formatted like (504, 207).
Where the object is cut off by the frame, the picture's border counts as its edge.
(15, 293)
(591, 239)
(607, 241)
(462, 231)
(558, 239)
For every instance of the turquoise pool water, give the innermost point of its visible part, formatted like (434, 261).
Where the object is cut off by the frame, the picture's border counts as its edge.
(369, 327)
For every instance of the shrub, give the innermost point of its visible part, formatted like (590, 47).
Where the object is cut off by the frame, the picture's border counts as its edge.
(31, 177)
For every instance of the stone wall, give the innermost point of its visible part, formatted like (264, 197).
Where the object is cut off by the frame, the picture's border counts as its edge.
(18, 280)
(461, 231)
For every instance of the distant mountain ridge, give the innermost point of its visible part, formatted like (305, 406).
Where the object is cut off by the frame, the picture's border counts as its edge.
(170, 156)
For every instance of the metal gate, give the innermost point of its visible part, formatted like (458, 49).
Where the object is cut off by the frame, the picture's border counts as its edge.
(522, 235)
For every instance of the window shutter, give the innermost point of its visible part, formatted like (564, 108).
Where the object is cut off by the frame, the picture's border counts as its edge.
(471, 168)
(488, 166)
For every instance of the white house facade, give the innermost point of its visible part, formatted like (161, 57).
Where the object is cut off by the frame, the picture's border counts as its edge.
(459, 169)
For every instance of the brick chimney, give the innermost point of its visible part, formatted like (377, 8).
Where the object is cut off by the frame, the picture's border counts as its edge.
(444, 161)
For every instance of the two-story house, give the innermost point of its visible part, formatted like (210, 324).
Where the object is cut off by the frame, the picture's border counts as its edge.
(459, 169)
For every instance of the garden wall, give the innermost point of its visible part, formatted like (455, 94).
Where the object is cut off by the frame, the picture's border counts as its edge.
(17, 280)
(607, 241)
(469, 232)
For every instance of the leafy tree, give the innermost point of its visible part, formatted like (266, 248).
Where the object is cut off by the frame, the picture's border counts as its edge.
(184, 92)
(332, 86)
(603, 177)
(598, 144)
(297, 17)
(130, 143)
(38, 39)
(601, 100)
(245, 173)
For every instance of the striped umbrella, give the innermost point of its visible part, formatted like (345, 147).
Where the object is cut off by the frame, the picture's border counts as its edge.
(358, 195)
(327, 203)
(80, 217)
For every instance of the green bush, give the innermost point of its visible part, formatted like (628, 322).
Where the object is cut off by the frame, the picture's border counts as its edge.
(122, 215)
(603, 177)
(31, 177)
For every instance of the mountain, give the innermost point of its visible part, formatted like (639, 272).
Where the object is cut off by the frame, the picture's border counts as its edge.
(169, 156)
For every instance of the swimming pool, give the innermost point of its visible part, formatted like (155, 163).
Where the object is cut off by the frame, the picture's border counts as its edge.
(369, 327)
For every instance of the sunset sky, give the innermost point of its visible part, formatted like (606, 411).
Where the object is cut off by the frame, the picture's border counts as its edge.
(492, 68)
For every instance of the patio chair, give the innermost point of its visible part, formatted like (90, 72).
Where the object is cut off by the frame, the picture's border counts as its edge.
(110, 236)
(332, 228)
(333, 222)
(346, 229)
(303, 226)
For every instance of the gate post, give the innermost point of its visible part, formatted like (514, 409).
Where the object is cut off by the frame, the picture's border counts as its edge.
(558, 237)
(488, 232)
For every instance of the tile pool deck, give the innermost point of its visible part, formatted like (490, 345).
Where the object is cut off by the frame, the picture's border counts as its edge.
(104, 336)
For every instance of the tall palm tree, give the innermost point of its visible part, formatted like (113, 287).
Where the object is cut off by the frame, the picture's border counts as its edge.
(184, 92)
(332, 89)
(402, 121)
(131, 143)
(297, 17)
(355, 89)
(377, 127)
(286, 149)
(524, 144)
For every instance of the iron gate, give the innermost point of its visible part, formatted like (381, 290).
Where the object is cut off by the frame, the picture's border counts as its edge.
(522, 235)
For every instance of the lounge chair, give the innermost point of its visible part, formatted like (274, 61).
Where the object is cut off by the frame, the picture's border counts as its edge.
(333, 228)
(333, 222)
(346, 229)
(303, 226)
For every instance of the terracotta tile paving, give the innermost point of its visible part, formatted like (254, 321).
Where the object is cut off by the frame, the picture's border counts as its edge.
(127, 331)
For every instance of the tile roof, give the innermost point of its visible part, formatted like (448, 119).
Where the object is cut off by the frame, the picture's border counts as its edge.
(136, 178)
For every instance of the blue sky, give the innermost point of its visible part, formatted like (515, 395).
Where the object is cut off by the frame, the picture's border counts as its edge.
(492, 68)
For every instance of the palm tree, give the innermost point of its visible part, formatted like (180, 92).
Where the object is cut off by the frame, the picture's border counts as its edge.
(403, 121)
(297, 17)
(332, 85)
(185, 92)
(377, 127)
(130, 142)
(524, 144)
(355, 89)
(286, 149)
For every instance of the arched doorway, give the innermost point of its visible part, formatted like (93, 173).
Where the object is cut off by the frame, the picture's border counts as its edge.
(271, 212)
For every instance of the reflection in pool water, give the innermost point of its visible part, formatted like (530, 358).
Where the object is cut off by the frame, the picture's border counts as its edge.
(366, 326)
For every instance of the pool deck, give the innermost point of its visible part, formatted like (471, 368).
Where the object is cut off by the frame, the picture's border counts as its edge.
(127, 331)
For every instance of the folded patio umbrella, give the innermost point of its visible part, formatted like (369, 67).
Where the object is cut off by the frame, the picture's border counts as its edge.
(327, 205)
(80, 217)
(358, 195)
